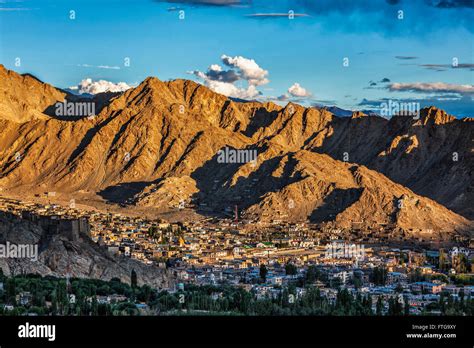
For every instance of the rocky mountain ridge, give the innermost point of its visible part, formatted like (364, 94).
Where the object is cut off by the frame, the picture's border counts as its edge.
(157, 145)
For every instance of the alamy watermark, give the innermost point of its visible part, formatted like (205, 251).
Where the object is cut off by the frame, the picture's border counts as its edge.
(344, 251)
(19, 251)
(455, 251)
(395, 108)
(75, 109)
(229, 155)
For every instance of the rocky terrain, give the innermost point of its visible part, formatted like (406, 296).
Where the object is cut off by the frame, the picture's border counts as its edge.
(81, 258)
(157, 145)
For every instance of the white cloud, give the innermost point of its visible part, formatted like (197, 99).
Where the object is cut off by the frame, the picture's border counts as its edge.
(108, 67)
(215, 67)
(297, 91)
(432, 87)
(94, 87)
(241, 69)
(231, 90)
(248, 69)
(99, 66)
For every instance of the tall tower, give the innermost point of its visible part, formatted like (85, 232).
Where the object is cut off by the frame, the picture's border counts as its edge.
(236, 214)
(68, 277)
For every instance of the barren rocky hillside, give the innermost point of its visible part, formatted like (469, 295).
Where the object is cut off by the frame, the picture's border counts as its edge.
(80, 258)
(157, 145)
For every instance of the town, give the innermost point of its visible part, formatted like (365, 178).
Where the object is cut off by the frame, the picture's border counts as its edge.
(273, 260)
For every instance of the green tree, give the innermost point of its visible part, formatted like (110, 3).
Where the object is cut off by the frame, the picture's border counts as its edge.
(379, 306)
(11, 290)
(443, 260)
(312, 274)
(407, 307)
(357, 280)
(133, 279)
(94, 307)
(394, 306)
(54, 304)
(263, 273)
(379, 275)
(461, 263)
(290, 269)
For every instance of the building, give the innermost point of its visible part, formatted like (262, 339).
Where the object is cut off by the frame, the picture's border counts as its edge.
(396, 278)
(427, 287)
(71, 228)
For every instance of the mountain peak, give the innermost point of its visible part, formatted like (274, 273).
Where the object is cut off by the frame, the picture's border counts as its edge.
(151, 90)
(358, 114)
(150, 80)
(433, 115)
(292, 107)
(25, 97)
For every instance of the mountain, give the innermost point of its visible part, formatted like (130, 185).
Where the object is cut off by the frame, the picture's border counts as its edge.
(24, 97)
(157, 145)
(433, 155)
(309, 185)
(336, 111)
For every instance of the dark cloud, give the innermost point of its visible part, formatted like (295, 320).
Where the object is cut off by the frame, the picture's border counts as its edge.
(319, 102)
(373, 84)
(224, 76)
(406, 57)
(283, 97)
(422, 17)
(206, 2)
(452, 104)
(443, 67)
(372, 103)
(213, 74)
(435, 67)
(244, 69)
(431, 87)
(330, 5)
(464, 66)
(276, 15)
(453, 3)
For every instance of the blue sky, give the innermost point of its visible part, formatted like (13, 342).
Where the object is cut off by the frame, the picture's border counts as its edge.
(269, 56)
